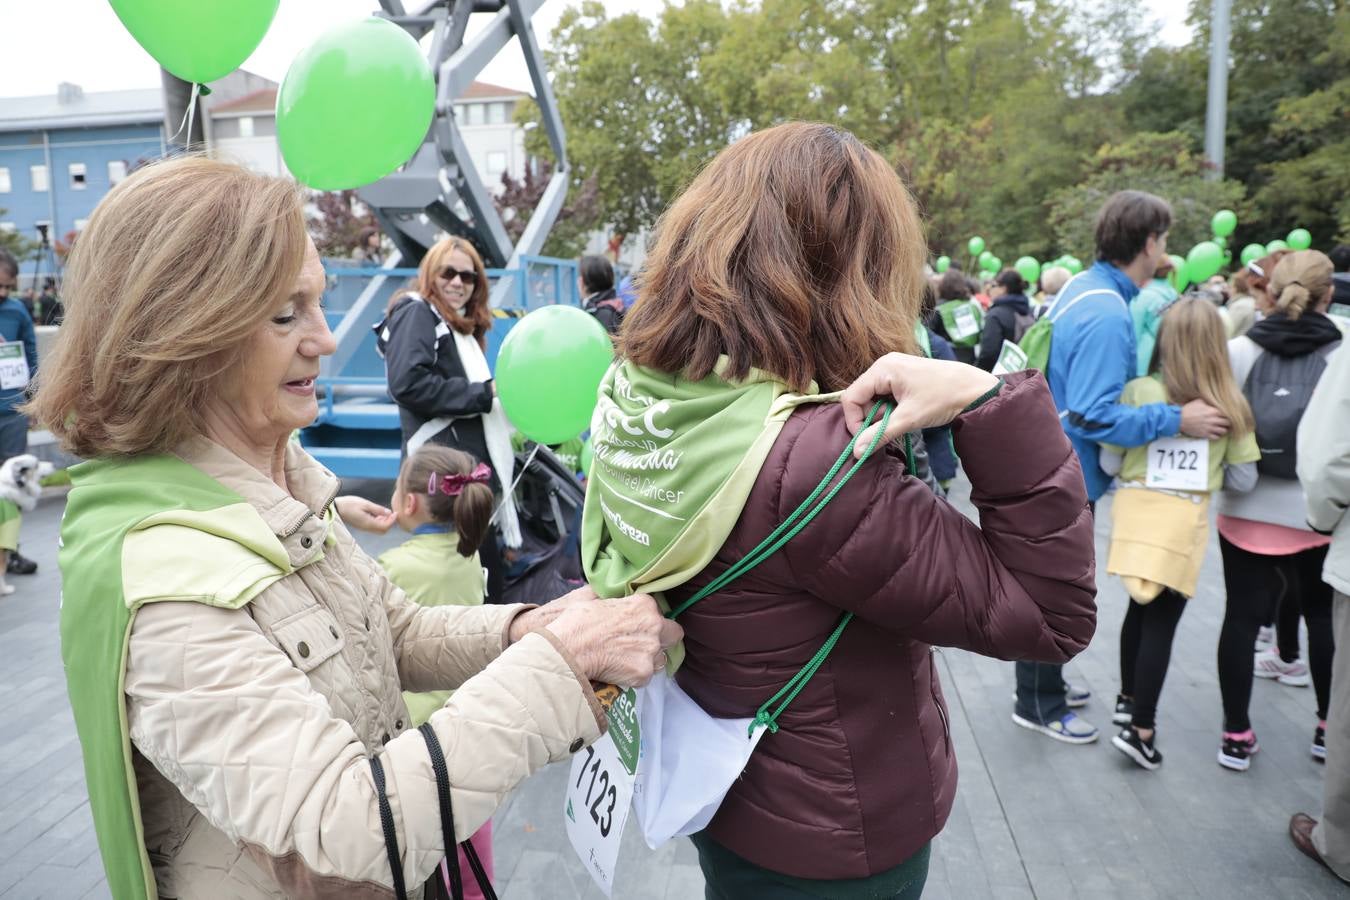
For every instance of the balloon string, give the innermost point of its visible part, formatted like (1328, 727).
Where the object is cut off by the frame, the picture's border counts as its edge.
(188, 117)
(507, 497)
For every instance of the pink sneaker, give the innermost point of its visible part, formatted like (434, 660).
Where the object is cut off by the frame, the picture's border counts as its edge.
(1269, 665)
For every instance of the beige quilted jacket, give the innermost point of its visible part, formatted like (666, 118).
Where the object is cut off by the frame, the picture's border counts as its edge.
(252, 727)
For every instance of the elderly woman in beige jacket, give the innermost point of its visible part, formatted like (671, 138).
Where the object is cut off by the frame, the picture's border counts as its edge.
(235, 661)
(1324, 470)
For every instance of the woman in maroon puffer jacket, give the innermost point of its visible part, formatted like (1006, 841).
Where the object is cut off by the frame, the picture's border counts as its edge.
(788, 266)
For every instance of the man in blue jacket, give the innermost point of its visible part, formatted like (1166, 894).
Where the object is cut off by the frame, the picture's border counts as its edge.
(16, 327)
(1092, 355)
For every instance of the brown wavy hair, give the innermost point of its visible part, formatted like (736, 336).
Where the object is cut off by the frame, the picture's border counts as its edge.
(797, 251)
(1300, 282)
(178, 266)
(470, 512)
(477, 320)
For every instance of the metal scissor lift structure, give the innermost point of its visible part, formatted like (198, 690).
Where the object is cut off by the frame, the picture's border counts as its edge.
(357, 434)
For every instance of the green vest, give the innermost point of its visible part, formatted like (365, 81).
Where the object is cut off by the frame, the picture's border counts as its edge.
(140, 531)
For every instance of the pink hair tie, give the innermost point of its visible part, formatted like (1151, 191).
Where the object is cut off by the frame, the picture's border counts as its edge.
(453, 485)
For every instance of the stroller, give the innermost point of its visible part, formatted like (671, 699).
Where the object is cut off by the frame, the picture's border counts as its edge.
(549, 501)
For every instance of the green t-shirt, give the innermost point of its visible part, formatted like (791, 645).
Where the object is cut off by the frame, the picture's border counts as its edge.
(568, 452)
(432, 573)
(1227, 450)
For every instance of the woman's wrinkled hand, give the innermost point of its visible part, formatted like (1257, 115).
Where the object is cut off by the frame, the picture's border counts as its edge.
(363, 515)
(927, 393)
(621, 641)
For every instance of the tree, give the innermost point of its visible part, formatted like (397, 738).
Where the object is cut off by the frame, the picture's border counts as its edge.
(519, 198)
(340, 219)
(1161, 164)
(16, 243)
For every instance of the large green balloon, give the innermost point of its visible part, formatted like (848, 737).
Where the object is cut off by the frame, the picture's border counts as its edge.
(548, 370)
(1299, 239)
(199, 41)
(1276, 245)
(1178, 278)
(1251, 252)
(1204, 261)
(975, 245)
(943, 264)
(1028, 268)
(355, 105)
(1223, 223)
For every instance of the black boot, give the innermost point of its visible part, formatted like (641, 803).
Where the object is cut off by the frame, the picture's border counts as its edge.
(19, 565)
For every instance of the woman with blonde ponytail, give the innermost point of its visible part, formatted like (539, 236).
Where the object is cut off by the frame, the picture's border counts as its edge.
(1268, 547)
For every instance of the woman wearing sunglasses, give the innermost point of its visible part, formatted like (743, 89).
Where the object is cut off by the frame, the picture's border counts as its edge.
(432, 340)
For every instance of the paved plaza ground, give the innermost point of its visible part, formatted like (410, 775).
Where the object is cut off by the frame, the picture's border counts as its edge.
(1033, 818)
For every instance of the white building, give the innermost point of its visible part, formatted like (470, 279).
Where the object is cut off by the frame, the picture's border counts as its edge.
(486, 118)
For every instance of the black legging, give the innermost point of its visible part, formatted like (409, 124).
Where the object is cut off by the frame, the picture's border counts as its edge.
(1146, 650)
(1251, 580)
(1286, 615)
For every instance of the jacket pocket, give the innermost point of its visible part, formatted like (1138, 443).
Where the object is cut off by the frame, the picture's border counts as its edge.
(935, 687)
(309, 637)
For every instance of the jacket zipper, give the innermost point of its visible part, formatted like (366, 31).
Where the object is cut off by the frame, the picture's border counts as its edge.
(300, 523)
(937, 701)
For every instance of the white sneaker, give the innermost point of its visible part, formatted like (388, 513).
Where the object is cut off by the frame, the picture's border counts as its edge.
(1269, 665)
(1265, 638)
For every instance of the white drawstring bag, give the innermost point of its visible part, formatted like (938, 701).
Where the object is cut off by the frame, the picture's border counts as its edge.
(688, 761)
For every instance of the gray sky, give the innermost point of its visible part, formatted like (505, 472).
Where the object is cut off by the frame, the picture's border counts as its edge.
(46, 42)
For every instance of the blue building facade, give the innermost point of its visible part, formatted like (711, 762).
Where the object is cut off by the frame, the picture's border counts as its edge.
(60, 155)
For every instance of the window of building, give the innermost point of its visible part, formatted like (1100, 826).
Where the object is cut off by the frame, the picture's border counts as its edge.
(476, 113)
(496, 162)
(117, 170)
(460, 112)
(246, 126)
(38, 175)
(79, 177)
(4, 180)
(497, 113)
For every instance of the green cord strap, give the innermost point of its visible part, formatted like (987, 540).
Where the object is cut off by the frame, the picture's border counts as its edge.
(790, 528)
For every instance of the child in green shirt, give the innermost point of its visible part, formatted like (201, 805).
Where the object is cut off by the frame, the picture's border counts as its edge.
(1160, 513)
(445, 501)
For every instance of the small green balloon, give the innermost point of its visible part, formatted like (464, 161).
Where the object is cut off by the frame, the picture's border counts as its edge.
(975, 245)
(548, 371)
(201, 41)
(1299, 239)
(1276, 245)
(355, 105)
(1223, 223)
(1204, 261)
(992, 265)
(943, 264)
(1073, 264)
(984, 258)
(1251, 252)
(1221, 241)
(1178, 278)
(1028, 268)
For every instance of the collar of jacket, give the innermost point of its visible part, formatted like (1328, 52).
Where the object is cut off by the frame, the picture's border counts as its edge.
(1115, 278)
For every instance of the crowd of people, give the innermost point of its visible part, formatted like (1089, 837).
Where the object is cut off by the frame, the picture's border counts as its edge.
(265, 710)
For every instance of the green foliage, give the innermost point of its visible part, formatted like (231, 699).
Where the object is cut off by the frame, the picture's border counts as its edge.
(16, 243)
(1162, 164)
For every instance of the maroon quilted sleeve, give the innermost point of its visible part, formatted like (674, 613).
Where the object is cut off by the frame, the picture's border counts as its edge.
(1020, 585)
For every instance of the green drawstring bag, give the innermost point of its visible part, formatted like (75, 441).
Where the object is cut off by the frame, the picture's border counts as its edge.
(963, 321)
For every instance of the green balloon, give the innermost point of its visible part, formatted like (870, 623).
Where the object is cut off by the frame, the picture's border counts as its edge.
(1276, 245)
(975, 245)
(1299, 239)
(984, 258)
(1072, 263)
(995, 264)
(355, 105)
(1028, 268)
(1178, 278)
(548, 371)
(200, 41)
(943, 264)
(1251, 252)
(587, 457)
(1221, 241)
(1223, 223)
(1204, 261)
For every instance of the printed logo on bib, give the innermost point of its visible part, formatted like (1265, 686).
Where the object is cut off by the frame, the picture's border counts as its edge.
(13, 366)
(964, 322)
(1011, 358)
(1178, 464)
(600, 790)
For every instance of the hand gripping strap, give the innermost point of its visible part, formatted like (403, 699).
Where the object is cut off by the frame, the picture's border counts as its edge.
(390, 833)
(448, 827)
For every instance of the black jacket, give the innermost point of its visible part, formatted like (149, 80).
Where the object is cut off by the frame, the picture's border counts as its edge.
(1284, 336)
(607, 309)
(427, 380)
(1000, 324)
